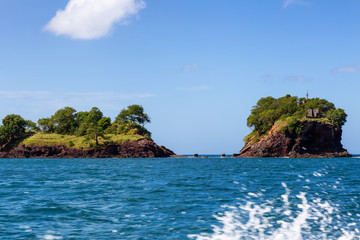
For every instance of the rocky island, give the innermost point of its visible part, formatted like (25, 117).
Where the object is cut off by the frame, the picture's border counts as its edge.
(295, 127)
(72, 134)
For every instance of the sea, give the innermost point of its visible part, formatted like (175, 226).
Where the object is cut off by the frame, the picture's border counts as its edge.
(180, 198)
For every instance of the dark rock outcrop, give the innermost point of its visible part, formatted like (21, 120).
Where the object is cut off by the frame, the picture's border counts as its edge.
(132, 149)
(315, 140)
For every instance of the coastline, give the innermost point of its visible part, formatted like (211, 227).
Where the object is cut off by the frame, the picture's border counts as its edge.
(142, 148)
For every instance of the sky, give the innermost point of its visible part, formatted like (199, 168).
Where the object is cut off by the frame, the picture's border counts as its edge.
(197, 67)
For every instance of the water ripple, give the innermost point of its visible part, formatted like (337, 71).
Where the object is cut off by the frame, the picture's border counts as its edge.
(179, 198)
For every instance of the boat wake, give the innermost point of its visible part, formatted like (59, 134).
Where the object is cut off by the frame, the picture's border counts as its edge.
(294, 218)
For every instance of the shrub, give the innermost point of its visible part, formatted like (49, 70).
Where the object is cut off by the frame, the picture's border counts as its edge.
(269, 110)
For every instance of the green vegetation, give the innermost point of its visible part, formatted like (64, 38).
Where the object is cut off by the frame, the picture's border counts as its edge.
(92, 125)
(131, 121)
(13, 128)
(76, 129)
(134, 114)
(288, 112)
(72, 141)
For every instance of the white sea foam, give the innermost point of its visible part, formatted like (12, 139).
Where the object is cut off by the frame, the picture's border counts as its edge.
(49, 237)
(297, 218)
(24, 227)
(316, 174)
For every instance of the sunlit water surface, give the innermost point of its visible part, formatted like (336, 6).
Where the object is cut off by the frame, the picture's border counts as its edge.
(180, 198)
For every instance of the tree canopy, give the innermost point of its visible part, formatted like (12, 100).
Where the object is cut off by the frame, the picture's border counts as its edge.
(46, 125)
(14, 126)
(64, 120)
(133, 114)
(67, 121)
(268, 110)
(93, 124)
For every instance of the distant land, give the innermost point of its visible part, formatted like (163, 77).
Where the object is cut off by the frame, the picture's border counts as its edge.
(295, 127)
(285, 127)
(72, 134)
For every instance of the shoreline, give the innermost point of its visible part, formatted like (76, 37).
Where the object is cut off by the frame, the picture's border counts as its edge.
(142, 148)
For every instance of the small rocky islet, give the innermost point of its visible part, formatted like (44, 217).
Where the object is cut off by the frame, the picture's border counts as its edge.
(295, 127)
(142, 148)
(72, 134)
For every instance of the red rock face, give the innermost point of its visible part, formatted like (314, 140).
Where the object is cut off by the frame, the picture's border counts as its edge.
(315, 140)
(133, 149)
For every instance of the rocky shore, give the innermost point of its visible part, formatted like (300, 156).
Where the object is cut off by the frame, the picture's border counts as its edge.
(142, 148)
(316, 139)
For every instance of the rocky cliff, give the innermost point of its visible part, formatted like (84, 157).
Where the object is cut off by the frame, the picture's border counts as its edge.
(316, 139)
(142, 148)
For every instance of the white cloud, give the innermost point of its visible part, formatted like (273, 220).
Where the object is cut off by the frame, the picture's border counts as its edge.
(72, 95)
(196, 88)
(297, 79)
(37, 104)
(290, 2)
(266, 78)
(348, 69)
(108, 95)
(57, 99)
(24, 94)
(90, 19)
(190, 67)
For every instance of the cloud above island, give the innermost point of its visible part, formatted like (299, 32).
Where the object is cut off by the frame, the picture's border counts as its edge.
(190, 67)
(37, 104)
(54, 100)
(348, 69)
(196, 88)
(91, 19)
(297, 78)
(287, 3)
(72, 95)
(266, 78)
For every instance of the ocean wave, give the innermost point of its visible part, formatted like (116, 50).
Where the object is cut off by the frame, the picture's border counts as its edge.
(296, 218)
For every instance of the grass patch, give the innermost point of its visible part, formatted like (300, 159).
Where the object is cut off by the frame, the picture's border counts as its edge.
(53, 139)
(121, 138)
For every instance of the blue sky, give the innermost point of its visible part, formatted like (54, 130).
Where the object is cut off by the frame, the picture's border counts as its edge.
(197, 67)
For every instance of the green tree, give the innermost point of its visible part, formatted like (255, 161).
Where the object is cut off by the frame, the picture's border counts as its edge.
(3, 137)
(104, 123)
(80, 117)
(94, 115)
(64, 120)
(131, 121)
(94, 132)
(269, 110)
(13, 127)
(254, 119)
(30, 125)
(93, 125)
(316, 103)
(337, 116)
(134, 114)
(46, 125)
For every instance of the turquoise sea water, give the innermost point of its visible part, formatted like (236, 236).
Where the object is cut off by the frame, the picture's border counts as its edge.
(180, 198)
